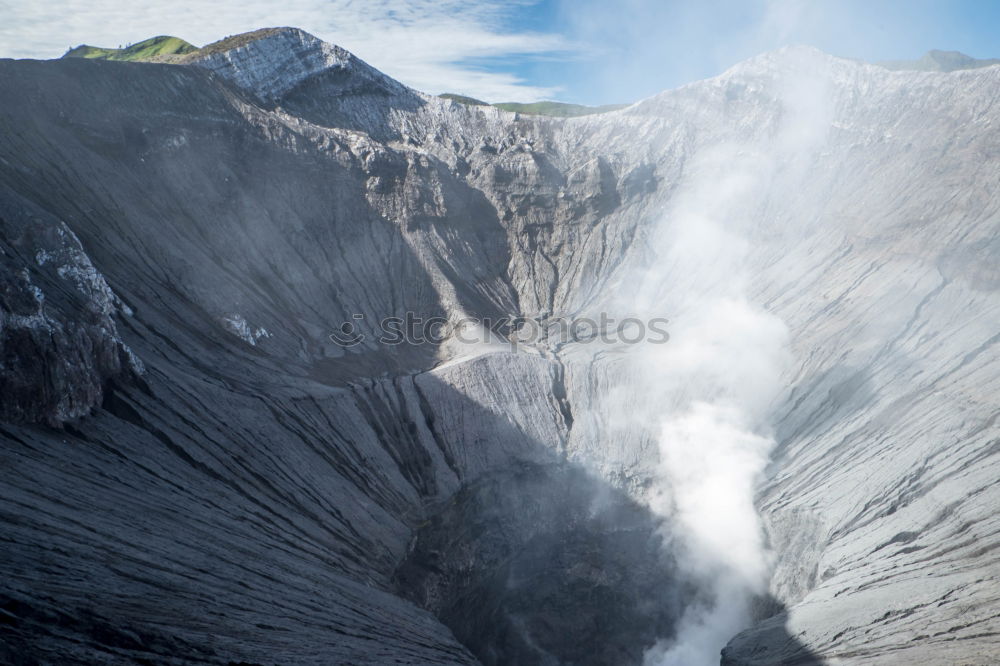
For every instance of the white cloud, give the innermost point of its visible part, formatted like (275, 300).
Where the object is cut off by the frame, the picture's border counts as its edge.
(426, 44)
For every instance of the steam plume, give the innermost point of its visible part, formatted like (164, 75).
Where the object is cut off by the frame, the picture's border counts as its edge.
(715, 383)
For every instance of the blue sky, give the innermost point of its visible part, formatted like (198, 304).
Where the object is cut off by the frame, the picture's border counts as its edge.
(641, 47)
(587, 51)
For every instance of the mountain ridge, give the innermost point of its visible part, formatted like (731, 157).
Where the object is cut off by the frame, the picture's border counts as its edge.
(154, 49)
(940, 61)
(173, 50)
(544, 108)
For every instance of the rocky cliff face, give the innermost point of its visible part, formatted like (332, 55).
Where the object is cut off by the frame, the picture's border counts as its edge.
(195, 471)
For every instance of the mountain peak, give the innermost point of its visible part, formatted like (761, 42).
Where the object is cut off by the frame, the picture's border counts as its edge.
(245, 39)
(269, 62)
(273, 61)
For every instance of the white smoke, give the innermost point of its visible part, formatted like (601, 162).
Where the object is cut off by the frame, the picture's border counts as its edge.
(715, 383)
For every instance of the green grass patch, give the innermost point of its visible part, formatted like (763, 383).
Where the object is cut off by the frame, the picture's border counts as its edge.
(554, 109)
(463, 99)
(146, 50)
(558, 109)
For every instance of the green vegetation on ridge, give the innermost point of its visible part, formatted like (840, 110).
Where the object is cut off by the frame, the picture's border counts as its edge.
(148, 49)
(555, 109)
(463, 99)
(559, 109)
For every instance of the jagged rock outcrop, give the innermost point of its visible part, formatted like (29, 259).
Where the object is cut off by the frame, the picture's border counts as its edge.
(231, 484)
(58, 338)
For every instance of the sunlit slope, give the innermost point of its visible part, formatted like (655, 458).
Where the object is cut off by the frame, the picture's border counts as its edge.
(148, 49)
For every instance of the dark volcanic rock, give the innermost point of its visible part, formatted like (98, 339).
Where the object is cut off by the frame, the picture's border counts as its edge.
(59, 341)
(541, 564)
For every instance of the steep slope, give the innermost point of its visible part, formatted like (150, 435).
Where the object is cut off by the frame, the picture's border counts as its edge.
(246, 488)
